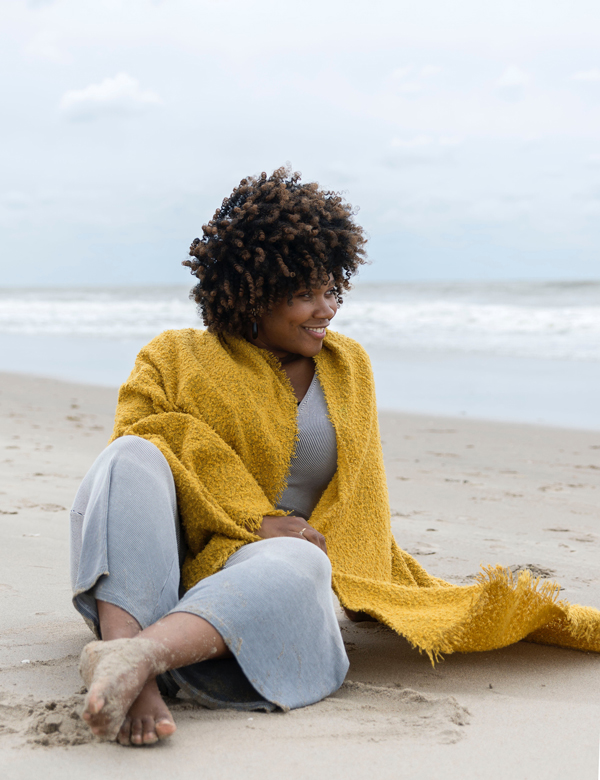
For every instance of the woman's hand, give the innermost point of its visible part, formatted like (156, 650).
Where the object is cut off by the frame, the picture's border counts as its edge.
(291, 526)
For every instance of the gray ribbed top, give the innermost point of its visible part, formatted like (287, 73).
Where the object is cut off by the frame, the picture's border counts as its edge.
(315, 460)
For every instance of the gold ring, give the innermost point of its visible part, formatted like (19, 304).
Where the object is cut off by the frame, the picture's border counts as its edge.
(302, 532)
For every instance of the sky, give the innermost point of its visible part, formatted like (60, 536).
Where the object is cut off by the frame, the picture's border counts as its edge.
(466, 134)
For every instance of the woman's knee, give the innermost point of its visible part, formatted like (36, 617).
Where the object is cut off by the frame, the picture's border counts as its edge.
(303, 556)
(130, 472)
(130, 454)
(132, 446)
(316, 558)
(126, 449)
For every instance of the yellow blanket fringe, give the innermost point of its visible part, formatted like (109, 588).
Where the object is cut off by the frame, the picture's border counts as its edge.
(223, 414)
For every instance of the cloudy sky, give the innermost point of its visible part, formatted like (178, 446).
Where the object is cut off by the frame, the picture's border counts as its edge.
(467, 133)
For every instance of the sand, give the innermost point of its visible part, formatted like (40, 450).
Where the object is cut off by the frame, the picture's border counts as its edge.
(463, 493)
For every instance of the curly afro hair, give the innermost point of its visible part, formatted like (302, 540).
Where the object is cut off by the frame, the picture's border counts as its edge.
(272, 237)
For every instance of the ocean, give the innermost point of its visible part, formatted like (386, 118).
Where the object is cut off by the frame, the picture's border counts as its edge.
(520, 351)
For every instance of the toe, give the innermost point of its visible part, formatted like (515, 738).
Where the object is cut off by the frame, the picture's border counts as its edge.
(124, 735)
(164, 728)
(149, 731)
(95, 701)
(136, 731)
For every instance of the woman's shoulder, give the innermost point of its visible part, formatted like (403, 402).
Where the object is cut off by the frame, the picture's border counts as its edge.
(182, 339)
(178, 350)
(181, 336)
(346, 346)
(345, 372)
(344, 360)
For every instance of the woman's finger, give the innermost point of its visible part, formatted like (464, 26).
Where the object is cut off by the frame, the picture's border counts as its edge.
(315, 538)
(306, 531)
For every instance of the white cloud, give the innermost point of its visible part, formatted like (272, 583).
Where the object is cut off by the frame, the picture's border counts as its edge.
(511, 83)
(119, 96)
(587, 75)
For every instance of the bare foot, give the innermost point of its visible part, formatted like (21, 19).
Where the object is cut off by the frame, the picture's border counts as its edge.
(148, 719)
(115, 672)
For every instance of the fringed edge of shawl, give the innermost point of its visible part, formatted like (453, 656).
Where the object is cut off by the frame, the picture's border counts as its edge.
(525, 583)
(547, 589)
(538, 596)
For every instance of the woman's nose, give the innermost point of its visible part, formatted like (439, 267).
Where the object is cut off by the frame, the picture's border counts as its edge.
(326, 308)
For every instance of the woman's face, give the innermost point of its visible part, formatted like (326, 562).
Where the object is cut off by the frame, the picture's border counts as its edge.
(298, 328)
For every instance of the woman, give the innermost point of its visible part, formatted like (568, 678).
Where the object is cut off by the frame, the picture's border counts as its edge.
(259, 439)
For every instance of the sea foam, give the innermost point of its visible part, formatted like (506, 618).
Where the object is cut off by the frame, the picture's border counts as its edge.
(519, 319)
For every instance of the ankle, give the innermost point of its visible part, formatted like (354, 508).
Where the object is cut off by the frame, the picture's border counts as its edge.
(155, 657)
(116, 623)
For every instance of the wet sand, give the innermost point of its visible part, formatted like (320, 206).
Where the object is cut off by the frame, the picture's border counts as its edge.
(463, 493)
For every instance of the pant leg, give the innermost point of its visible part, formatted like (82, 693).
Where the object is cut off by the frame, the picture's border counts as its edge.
(272, 601)
(124, 534)
(273, 605)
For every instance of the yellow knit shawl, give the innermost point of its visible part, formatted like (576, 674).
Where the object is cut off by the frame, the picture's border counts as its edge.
(223, 413)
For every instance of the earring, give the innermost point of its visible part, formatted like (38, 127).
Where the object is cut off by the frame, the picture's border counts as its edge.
(254, 330)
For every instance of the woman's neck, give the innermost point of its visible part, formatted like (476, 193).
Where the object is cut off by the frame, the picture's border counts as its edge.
(289, 357)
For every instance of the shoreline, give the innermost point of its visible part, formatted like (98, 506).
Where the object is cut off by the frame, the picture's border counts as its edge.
(463, 493)
(489, 388)
(383, 410)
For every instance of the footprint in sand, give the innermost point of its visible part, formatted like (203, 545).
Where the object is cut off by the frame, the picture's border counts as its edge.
(361, 711)
(422, 548)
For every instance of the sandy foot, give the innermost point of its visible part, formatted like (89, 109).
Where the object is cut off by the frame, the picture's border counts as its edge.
(148, 719)
(115, 674)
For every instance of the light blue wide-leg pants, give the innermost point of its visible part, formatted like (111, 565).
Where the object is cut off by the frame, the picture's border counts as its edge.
(272, 602)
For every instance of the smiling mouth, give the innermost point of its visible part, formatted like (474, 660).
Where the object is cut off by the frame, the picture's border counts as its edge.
(317, 331)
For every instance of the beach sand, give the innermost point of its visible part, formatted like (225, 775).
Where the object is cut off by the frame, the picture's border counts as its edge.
(463, 493)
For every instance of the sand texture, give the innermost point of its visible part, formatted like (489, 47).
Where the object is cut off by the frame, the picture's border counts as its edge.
(463, 493)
